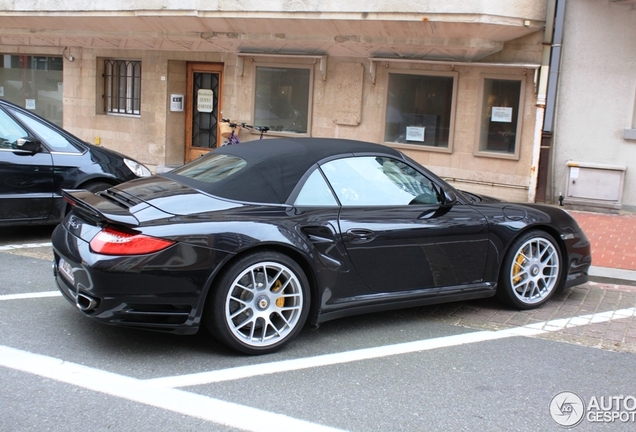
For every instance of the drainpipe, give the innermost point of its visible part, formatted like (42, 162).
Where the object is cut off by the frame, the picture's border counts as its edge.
(542, 88)
(550, 101)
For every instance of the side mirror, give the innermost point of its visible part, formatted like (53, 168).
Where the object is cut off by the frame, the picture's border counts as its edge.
(449, 198)
(27, 145)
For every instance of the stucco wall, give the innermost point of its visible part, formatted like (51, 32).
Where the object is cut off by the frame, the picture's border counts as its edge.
(597, 89)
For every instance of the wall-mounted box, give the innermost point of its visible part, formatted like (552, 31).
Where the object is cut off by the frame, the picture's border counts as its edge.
(595, 185)
(176, 102)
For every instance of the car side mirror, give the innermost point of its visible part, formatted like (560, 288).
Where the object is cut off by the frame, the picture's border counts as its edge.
(27, 145)
(449, 198)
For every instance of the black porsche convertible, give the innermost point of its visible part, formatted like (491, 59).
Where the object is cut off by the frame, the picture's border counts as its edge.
(255, 240)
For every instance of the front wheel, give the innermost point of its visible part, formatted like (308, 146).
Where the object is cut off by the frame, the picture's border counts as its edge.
(531, 271)
(259, 304)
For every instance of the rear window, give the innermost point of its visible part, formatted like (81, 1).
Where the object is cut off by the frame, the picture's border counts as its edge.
(212, 169)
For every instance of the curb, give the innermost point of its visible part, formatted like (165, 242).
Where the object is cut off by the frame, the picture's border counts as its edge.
(612, 274)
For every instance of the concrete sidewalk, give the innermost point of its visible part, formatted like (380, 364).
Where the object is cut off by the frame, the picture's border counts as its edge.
(613, 239)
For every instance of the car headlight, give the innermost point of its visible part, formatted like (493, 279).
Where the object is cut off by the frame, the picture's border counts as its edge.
(139, 169)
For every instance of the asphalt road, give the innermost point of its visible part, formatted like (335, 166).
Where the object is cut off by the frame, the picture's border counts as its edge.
(395, 371)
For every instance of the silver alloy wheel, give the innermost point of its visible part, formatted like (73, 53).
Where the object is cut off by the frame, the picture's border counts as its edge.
(264, 304)
(535, 270)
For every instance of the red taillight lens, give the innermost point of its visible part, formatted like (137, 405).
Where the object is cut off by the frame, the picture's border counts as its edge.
(110, 241)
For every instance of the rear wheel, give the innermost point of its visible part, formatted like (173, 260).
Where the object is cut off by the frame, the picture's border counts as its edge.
(259, 304)
(531, 271)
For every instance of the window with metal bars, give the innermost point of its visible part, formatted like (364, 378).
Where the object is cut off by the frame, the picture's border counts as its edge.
(122, 87)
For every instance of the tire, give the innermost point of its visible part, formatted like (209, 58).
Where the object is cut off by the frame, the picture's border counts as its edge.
(259, 304)
(531, 272)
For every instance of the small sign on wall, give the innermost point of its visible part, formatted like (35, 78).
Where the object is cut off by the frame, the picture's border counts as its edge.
(205, 100)
(30, 104)
(176, 102)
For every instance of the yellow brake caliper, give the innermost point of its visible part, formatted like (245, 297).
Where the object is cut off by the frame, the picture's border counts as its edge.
(516, 269)
(278, 285)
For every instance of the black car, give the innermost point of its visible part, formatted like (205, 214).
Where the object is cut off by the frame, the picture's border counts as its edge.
(38, 160)
(254, 240)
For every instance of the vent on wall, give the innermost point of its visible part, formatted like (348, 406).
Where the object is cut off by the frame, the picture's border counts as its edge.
(595, 185)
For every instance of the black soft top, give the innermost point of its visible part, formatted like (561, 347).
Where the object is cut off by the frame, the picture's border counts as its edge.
(275, 166)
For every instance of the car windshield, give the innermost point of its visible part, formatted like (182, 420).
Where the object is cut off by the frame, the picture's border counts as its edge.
(212, 169)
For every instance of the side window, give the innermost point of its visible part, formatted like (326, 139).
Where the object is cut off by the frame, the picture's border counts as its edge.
(378, 181)
(315, 192)
(10, 131)
(54, 140)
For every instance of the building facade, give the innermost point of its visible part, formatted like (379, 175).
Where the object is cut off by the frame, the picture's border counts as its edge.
(455, 85)
(594, 160)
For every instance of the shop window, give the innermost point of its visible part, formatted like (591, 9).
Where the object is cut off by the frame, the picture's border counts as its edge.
(499, 124)
(420, 109)
(33, 82)
(282, 99)
(122, 87)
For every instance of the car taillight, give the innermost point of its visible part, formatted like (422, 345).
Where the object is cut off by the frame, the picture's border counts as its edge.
(110, 241)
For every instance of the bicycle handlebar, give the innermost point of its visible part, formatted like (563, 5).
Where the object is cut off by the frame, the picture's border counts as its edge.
(261, 129)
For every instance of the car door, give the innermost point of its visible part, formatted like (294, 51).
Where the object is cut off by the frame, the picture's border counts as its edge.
(26, 178)
(397, 230)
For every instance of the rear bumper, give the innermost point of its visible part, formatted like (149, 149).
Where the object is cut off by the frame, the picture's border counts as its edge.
(163, 291)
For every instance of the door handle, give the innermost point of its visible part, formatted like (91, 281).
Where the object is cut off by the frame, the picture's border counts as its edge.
(360, 235)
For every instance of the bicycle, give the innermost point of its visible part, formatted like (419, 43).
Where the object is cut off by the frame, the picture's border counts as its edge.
(234, 139)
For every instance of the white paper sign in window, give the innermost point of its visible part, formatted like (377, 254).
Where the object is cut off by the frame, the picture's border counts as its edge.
(501, 114)
(205, 100)
(415, 133)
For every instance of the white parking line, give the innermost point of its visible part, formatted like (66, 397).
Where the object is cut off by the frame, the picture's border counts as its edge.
(179, 401)
(25, 246)
(384, 351)
(30, 295)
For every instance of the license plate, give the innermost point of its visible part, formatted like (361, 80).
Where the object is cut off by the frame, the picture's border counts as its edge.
(66, 270)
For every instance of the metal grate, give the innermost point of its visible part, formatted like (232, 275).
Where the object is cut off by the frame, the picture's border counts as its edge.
(204, 128)
(122, 86)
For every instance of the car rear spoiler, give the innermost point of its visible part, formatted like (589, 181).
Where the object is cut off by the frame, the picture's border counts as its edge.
(99, 209)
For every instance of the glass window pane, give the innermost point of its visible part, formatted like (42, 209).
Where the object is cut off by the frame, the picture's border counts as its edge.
(419, 109)
(282, 99)
(499, 115)
(378, 181)
(315, 192)
(33, 82)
